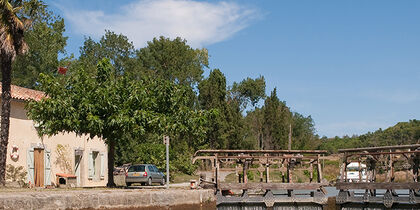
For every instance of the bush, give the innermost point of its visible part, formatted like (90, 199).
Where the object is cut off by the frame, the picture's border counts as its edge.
(16, 174)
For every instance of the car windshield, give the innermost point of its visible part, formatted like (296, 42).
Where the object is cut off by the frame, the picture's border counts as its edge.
(353, 169)
(139, 168)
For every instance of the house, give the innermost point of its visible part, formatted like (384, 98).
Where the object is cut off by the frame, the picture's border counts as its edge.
(44, 157)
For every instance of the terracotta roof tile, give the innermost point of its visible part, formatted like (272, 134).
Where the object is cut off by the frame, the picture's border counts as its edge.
(25, 94)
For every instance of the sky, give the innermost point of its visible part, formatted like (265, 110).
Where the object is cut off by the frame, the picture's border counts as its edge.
(354, 66)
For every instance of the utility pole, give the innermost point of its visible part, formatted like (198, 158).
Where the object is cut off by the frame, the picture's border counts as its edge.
(290, 137)
(166, 142)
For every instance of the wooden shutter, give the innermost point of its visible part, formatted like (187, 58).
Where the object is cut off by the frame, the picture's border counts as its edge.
(30, 165)
(90, 163)
(47, 167)
(102, 166)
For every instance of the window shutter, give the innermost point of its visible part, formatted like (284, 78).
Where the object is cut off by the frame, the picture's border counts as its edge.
(30, 165)
(90, 162)
(47, 168)
(102, 166)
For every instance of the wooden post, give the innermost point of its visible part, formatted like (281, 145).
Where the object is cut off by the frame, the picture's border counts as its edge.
(390, 174)
(319, 170)
(290, 137)
(359, 170)
(217, 171)
(289, 173)
(267, 171)
(311, 170)
(245, 170)
(343, 176)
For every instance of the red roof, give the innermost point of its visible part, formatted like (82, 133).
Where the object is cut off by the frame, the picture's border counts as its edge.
(25, 94)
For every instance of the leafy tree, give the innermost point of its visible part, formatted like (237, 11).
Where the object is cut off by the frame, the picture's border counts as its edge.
(254, 122)
(249, 90)
(115, 47)
(173, 60)
(111, 107)
(277, 118)
(213, 96)
(12, 43)
(303, 132)
(46, 41)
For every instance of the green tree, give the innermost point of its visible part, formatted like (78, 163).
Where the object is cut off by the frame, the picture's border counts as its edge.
(111, 107)
(249, 90)
(173, 60)
(277, 118)
(115, 47)
(46, 41)
(12, 43)
(303, 132)
(213, 96)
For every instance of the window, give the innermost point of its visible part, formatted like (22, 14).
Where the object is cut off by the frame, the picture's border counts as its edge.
(96, 165)
(139, 168)
(151, 169)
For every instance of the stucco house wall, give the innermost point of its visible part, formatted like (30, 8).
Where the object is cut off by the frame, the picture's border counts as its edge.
(60, 151)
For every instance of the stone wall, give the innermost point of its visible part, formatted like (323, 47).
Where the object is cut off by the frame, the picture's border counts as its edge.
(104, 199)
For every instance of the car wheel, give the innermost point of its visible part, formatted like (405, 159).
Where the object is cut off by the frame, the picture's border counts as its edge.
(163, 181)
(149, 182)
(128, 184)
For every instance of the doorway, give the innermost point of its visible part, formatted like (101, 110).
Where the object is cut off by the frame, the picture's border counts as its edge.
(39, 167)
(78, 154)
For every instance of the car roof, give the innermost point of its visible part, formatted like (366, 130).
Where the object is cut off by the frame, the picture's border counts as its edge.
(143, 165)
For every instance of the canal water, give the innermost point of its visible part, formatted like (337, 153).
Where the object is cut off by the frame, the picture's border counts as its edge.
(331, 193)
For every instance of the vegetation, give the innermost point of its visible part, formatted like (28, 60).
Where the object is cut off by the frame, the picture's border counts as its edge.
(16, 174)
(400, 134)
(113, 108)
(12, 43)
(132, 97)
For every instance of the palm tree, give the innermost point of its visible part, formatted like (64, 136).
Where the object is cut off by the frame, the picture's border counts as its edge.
(11, 44)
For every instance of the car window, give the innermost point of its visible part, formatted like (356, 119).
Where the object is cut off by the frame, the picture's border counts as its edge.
(132, 169)
(136, 169)
(151, 169)
(156, 169)
(140, 168)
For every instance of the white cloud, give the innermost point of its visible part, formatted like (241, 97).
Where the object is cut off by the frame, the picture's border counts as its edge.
(200, 23)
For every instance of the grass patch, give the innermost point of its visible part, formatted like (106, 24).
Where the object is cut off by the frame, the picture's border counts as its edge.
(181, 177)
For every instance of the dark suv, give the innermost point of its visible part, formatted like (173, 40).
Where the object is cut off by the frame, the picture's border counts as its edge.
(144, 174)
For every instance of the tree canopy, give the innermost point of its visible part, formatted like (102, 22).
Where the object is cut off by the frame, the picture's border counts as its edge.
(46, 41)
(110, 108)
(173, 60)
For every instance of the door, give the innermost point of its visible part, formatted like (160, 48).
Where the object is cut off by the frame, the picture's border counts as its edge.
(77, 161)
(39, 167)
(158, 173)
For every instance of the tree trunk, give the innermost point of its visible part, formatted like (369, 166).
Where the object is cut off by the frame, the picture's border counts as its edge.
(111, 160)
(6, 67)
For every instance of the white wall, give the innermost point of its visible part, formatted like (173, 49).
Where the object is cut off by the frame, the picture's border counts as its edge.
(24, 135)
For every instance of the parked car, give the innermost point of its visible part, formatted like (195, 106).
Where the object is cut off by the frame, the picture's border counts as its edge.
(144, 174)
(356, 172)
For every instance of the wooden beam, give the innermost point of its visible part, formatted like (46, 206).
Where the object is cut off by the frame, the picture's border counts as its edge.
(271, 186)
(202, 158)
(412, 146)
(383, 153)
(265, 157)
(372, 185)
(214, 151)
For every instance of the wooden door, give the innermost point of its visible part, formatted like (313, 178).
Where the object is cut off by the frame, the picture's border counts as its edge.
(39, 167)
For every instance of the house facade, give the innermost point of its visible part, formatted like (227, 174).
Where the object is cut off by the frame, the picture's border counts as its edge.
(45, 157)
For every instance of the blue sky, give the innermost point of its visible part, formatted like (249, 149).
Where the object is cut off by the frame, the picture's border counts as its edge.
(354, 66)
